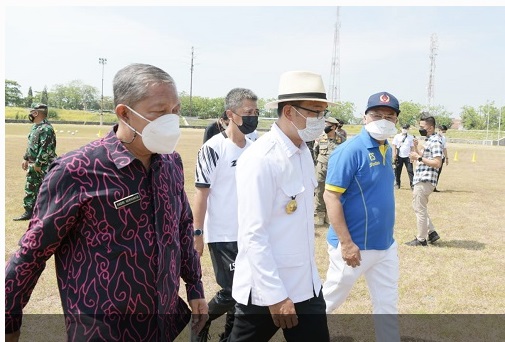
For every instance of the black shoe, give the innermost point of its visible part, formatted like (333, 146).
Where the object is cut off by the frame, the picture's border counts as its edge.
(436, 190)
(417, 242)
(433, 236)
(25, 216)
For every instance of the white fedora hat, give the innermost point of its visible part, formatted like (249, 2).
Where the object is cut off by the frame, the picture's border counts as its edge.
(300, 86)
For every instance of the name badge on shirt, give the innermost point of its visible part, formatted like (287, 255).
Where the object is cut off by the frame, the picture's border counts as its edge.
(123, 202)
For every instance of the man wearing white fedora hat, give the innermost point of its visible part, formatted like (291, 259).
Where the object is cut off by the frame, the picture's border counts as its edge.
(276, 282)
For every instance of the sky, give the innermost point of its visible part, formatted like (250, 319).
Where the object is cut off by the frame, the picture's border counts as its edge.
(382, 48)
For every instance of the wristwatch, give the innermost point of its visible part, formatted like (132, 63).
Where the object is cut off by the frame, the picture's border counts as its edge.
(420, 159)
(198, 232)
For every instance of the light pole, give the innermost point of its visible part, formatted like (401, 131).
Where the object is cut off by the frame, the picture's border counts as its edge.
(487, 124)
(191, 85)
(499, 126)
(102, 61)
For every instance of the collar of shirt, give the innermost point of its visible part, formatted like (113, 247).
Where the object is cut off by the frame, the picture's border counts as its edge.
(43, 122)
(286, 143)
(118, 152)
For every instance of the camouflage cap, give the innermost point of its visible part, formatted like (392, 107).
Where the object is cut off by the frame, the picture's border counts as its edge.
(331, 120)
(39, 106)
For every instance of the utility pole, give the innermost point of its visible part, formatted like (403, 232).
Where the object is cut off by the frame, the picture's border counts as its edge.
(487, 121)
(335, 63)
(499, 126)
(431, 80)
(102, 61)
(191, 85)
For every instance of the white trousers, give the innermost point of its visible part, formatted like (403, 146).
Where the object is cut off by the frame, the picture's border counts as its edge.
(381, 271)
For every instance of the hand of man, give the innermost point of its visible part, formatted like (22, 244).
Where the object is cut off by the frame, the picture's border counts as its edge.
(24, 165)
(37, 169)
(198, 244)
(414, 156)
(284, 314)
(13, 337)
(351, 254)
(199, 314)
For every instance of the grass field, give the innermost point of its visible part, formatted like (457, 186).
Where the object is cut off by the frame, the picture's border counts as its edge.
(462, 274)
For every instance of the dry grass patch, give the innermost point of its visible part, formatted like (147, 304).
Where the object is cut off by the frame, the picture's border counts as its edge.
(461, 274)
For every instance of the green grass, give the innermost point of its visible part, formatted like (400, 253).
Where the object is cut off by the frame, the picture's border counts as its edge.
(461, 274)
(263, 125)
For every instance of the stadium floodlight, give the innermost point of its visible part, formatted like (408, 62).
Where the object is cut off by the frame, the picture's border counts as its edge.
(102, 61)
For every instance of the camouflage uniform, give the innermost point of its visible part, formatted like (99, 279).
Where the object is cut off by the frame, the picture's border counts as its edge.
(322, 150)
(41, 152)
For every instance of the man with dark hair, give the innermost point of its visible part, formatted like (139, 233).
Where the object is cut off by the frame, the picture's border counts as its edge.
(341, 133)
(215, 206)
(216, 127)
(115, 216)
(403, 144)
(429, 160)
(39, 155)
(442, 129)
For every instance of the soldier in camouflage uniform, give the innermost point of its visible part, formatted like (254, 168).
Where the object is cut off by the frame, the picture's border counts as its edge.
(39, 155)
(333, 136)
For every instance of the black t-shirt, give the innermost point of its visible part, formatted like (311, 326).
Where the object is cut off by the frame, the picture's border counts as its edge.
(211, 130)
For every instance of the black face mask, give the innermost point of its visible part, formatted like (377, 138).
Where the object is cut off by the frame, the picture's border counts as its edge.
(249, 124)
(31, 117)
(328, 129)
(423, 132)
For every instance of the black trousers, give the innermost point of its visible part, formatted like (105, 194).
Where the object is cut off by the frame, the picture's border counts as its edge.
(223, 255)
(255, 324)
(398, 169)
(440, 170)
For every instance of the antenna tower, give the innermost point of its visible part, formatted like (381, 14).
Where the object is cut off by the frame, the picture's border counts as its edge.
(335, 63)
(431, 80)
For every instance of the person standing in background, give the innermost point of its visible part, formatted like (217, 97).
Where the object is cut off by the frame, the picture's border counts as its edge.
(40, 153)
(340, 132)
(442, 130)
(403, 144)
(216, 127)
(323, 147)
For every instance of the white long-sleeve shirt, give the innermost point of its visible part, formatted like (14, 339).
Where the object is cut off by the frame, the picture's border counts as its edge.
(275, 249)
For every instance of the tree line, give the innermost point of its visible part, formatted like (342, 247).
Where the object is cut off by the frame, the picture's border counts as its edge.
(78, 96)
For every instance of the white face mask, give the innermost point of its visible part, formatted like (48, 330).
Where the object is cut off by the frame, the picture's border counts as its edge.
(404, 131)
(160, 135)
(314, 127)
(381, 129)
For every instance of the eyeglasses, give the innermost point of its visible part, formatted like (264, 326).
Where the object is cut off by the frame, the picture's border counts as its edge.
(378, 116)
(320, 115)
